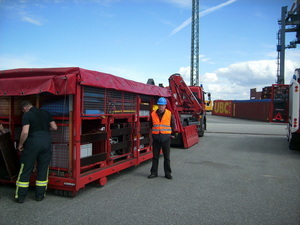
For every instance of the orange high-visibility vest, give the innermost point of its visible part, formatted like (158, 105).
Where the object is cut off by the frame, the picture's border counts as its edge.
(162, 126)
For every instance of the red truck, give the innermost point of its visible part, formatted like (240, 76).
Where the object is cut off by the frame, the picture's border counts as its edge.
(190, 107)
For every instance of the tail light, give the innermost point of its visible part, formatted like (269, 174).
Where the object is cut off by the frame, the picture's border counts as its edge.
(295, 124)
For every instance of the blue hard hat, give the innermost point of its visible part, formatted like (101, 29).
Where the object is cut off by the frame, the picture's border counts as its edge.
(162, 101)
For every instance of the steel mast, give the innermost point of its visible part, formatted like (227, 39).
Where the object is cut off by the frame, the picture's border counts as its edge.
(195, 45)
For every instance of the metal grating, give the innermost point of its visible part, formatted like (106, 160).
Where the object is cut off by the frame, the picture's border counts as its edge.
(114, 101)
(56, 105)
(107, 101)
(93, 101)
(120, 102)
(61, 135)
(129, 103)
(4, 106)
(60, 156)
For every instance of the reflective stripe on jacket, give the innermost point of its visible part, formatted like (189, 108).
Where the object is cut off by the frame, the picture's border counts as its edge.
(162, 126)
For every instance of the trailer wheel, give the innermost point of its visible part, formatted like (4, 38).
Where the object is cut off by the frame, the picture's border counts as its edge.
(58, 192)
(65, 193)
(102, 181)
(71, 194)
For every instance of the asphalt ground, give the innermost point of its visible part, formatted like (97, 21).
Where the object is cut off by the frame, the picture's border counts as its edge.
(241, 172)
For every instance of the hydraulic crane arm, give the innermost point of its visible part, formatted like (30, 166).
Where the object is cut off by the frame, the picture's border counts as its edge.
(182, 95)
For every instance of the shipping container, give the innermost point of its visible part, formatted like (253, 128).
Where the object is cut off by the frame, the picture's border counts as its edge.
(252, 109)
(222, 108)
(273, 107)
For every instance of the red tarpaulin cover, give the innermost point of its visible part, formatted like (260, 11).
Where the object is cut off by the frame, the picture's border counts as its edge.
(61, 81)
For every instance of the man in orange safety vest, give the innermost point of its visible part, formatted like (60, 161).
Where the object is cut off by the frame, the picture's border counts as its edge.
(162, 124)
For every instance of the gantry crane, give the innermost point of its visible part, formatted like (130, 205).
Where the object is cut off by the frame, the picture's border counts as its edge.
(290, 22)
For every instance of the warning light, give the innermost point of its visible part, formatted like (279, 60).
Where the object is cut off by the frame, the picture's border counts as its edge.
(296, 88)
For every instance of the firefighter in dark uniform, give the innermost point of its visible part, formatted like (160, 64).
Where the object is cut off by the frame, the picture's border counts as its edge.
(162, 124)
(35, 145)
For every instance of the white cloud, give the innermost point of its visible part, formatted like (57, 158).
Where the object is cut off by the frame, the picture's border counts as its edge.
(9, 62)
(235, 81)
(189, 20)
(31, 20)
(20, 10)
(26, 61)
(212, 77)
(185, 73)
(252, 72)
(228, 83)
(28, 17)
(201, 14)
(206, 60)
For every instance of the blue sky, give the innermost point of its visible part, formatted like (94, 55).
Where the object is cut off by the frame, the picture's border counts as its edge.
(141, 39)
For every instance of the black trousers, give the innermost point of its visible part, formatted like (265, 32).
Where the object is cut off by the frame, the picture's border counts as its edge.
(165, 146)
(37, 148)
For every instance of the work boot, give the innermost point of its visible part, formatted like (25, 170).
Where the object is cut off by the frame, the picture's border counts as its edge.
(152, 176)
(20, 200)
(169, 177)
(39, 198)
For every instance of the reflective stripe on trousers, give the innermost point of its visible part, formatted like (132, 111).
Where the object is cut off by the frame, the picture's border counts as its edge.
(41, 183)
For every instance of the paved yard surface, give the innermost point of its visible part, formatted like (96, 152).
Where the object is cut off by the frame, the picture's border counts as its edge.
(241, 172)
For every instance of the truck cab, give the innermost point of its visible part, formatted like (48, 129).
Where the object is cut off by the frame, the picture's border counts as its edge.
(204, 98)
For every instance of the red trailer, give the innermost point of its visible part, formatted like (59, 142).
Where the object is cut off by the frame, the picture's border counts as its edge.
(103, 122)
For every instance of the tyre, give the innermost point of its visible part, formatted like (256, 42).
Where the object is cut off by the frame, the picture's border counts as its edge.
(202, 127)
(294, 142)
